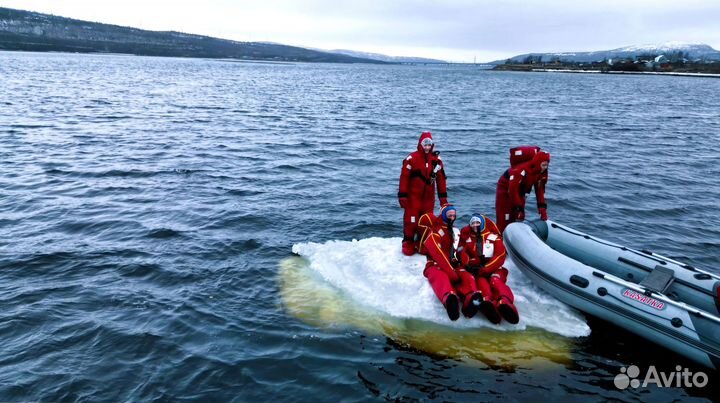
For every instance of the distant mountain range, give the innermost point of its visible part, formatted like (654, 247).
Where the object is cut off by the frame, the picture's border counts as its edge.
(30, 31)
(693, 52)
(385, 58)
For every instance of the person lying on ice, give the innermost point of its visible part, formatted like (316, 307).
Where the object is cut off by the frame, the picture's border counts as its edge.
(422, 172)
(450, 282)
(516, 183)
(482, 254)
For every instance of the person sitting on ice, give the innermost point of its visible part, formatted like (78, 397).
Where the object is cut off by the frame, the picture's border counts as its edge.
(482, 254)
(449, 282)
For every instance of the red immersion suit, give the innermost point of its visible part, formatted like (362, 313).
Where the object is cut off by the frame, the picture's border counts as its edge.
(482, 253)
(450, 285)
(513, 187)
(421, 174)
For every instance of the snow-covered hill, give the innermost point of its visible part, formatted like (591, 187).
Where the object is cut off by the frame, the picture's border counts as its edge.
(690, 51)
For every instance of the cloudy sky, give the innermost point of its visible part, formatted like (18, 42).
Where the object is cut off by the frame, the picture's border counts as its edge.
(457, 30)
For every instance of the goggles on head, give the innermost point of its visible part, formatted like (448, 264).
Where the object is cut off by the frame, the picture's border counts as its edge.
(426, 142)
(479, 220)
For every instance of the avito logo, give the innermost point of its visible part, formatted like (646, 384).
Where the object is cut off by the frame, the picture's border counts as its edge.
(680, 378)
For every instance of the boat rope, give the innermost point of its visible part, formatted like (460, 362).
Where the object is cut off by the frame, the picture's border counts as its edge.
(645, 253)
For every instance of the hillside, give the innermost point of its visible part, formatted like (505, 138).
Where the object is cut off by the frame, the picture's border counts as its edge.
(30, 31)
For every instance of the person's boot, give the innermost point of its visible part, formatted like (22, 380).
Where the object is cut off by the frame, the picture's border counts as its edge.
(488, 309)
(508, 311)
(471, 305)
(452, 306)
(408, 248)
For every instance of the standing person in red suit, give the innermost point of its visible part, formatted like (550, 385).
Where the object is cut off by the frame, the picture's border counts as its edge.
(514, 185)
(450, 282)
(482, 253)
(422, 173)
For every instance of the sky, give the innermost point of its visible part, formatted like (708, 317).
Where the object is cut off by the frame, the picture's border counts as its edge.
(453, 30)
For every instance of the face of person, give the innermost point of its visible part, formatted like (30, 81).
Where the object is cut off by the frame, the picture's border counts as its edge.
(427, 145)
(544, 166)
(475, 226)
(451, 215)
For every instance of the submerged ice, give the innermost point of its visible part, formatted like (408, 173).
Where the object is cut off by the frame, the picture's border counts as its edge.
(374, 273)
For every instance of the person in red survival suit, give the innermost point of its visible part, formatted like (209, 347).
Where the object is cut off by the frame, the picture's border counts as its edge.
(515, 184)
(482, 253)
(422, 172)
(450, 283)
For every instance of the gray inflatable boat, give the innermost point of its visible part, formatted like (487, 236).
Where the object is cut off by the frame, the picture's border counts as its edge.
(665, 301)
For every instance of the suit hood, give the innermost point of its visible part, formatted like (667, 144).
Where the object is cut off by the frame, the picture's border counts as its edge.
(423, 136)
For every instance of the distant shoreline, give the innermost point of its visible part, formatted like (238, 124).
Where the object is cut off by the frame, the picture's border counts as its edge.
(653, 73)
(212, 59)
(485, 67)
(274, 62)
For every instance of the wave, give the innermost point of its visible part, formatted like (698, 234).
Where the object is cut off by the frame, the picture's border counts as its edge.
(119, 173)
(164, 233)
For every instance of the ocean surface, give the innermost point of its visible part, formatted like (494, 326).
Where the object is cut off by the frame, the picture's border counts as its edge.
(204, 230)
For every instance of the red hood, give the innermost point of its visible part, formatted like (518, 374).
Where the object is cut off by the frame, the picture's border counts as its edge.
(538, 158)
(423, 136)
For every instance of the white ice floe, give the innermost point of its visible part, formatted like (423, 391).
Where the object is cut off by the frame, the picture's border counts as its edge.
(373, 272)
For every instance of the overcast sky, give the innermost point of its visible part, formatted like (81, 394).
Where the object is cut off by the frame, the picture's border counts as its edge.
(457, 30)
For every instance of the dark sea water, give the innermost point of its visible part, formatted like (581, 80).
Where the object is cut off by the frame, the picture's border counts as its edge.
(149, 206)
